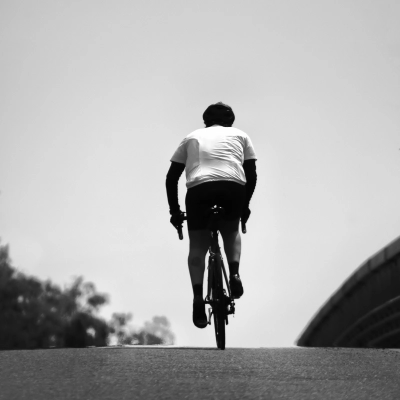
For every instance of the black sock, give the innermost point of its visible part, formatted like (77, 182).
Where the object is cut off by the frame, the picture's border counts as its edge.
(233, 268)
(198, 289)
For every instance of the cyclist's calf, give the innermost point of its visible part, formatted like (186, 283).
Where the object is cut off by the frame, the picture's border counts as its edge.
(232, 240)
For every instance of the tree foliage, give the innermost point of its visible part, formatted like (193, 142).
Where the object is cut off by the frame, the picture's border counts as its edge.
(155, 332)
(36, 314)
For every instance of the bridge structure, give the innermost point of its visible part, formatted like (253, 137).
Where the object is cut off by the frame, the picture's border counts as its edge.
(365, 310)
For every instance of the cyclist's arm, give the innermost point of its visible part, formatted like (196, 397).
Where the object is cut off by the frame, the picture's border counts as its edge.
(249, 167)
(171, 183)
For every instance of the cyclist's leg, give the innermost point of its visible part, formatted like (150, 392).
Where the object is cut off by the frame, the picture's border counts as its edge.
(199, 240)
(232, 246)
(198, 200)
(199, 243)
(233, 201)
(198, 247)
(232, 240)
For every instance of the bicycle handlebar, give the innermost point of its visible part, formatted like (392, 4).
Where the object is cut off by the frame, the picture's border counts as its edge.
(179, 229)
(180, 234)
(244, 230)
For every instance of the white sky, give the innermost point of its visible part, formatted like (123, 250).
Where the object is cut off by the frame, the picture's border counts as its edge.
(95, 96)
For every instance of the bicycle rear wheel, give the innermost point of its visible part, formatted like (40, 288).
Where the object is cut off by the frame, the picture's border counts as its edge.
(218, 298)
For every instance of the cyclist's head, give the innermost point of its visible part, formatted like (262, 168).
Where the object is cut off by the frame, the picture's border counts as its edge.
(220, 114)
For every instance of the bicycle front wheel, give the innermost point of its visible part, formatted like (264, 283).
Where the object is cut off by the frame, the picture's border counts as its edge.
(218, 304)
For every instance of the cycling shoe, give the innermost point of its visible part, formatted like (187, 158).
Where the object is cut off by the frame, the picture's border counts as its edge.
(236, 286)
(199, 313)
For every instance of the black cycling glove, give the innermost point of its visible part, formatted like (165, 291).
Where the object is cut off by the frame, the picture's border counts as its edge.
(177, 219)
(245, 214)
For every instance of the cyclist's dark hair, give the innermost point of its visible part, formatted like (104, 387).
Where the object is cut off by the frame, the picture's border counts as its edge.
(220, 114)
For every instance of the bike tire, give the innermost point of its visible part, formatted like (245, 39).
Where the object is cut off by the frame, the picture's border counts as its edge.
(219, 304)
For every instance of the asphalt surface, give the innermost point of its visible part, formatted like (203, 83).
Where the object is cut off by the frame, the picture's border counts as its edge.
(200, 373)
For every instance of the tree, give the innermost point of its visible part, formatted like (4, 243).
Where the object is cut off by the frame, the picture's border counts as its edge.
(36, 314)
(155, 332)
(120, 329)
(161, 328)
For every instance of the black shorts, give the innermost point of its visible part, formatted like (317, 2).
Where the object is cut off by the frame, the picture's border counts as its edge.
(229, 195)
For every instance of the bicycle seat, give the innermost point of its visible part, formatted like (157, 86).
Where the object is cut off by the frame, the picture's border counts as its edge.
(215, 211)
(214, 214)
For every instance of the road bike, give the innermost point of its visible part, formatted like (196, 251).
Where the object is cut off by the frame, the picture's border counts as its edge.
(219, 296)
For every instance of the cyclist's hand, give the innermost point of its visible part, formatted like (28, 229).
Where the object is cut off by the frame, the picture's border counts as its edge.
(177, 219)
(245, 214)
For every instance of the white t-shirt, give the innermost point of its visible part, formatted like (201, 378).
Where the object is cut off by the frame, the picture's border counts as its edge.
(216, 153)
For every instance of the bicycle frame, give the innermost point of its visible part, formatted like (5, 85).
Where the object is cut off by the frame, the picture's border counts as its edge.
(221, 304)
(214, 252)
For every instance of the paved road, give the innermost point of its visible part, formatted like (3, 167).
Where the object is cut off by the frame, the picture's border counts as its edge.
(200, 373)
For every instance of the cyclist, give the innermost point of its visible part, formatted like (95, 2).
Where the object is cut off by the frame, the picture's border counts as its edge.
(220, 167)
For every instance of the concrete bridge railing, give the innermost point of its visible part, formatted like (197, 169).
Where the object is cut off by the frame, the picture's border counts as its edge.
(365, 310)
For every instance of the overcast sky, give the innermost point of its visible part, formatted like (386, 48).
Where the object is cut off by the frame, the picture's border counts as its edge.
(95, 96)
